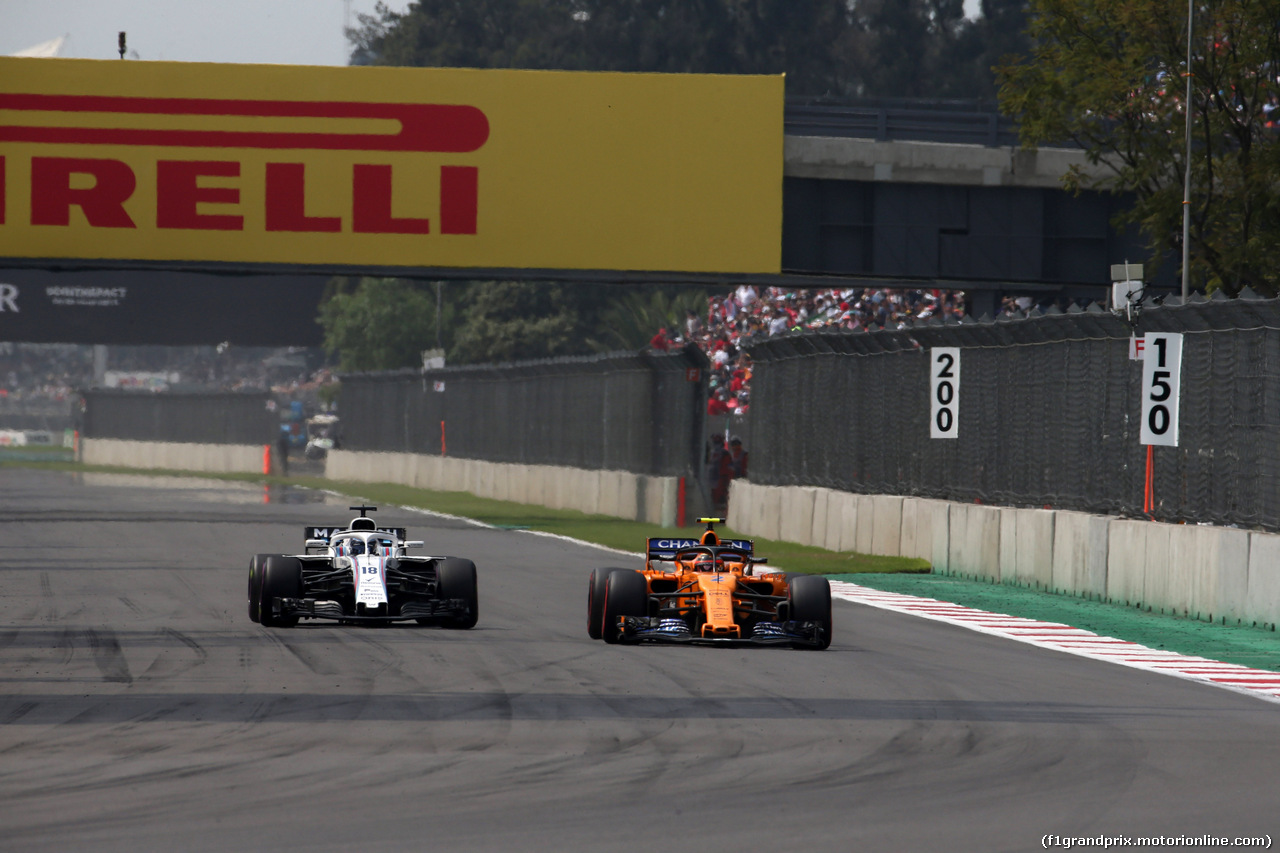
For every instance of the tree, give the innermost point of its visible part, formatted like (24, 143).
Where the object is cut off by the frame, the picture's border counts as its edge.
(517, 320)
(384, 324)
(632, 319)
(1108, 75)
(705, 36)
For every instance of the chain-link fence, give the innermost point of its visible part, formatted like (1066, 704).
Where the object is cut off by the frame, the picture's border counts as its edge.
(639, 412)
(201, 418)
(1049, 412)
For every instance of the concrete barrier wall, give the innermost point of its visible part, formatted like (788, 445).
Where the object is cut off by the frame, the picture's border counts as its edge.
(1210, 573)
(1080, 554)
(210, 458)
(617, 493)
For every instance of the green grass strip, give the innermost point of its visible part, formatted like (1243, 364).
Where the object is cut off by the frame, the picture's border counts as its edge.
(1240, 644)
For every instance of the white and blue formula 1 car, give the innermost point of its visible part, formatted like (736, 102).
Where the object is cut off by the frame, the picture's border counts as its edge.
(362, 574)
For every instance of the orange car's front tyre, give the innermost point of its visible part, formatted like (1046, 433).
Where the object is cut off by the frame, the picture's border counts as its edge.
(809, 599)
(626, 593)
(595, 601)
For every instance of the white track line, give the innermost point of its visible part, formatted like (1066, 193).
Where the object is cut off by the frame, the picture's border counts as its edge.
(1064, 638)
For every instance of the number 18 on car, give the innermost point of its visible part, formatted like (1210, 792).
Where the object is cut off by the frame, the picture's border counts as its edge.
(944, 390)
(1161, 388)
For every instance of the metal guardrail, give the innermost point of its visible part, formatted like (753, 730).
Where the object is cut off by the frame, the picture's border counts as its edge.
(970, 123)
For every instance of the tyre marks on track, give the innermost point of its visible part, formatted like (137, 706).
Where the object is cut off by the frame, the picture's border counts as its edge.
(108, 656)
(1263, 684)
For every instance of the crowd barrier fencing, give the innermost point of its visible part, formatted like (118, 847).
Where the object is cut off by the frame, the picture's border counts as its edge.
(641, 412)
(248, 418)
(1049, 410)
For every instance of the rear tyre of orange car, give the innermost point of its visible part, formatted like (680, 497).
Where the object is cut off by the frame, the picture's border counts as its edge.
(626, 593)
(281, 578)
(595, 601)
(456, 579)
(809, 597)
(257, 565)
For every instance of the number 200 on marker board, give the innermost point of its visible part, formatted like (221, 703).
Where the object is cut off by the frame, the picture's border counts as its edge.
(944, 392)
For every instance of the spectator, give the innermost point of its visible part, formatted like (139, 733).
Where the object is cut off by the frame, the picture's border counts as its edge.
(737, 458)
(660, 341)
(692, 325)
(715, 456)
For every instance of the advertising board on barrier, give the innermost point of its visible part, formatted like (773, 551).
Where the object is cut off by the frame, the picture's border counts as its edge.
(208, 165)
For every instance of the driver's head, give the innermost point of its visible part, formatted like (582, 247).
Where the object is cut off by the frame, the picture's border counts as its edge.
(357, 546)
(704, 563)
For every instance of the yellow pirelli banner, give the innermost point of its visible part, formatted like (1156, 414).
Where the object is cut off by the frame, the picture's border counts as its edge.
(225, 165)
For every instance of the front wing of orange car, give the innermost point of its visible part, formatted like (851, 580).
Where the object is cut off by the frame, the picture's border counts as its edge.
(658, 629)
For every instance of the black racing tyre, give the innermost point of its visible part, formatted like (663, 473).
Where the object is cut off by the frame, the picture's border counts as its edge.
(257, 565)
(810, 601)
(281, 578)
(626, 593)
(595, 601)
(456, 578)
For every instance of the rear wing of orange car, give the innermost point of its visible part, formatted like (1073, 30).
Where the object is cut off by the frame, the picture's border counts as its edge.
(665, 549)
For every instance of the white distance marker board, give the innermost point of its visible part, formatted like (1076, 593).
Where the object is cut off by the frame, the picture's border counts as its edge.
(944, 392)
(1161, 388)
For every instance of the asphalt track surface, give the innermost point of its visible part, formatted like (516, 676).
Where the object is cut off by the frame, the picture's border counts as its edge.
(140, 709)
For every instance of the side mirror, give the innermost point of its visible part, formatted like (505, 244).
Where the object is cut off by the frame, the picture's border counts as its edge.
(413, 543)
(316, 543)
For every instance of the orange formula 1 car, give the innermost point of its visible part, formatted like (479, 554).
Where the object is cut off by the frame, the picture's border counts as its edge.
(708, 590)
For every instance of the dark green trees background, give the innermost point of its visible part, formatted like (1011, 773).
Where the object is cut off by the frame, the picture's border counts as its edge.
(864, 48)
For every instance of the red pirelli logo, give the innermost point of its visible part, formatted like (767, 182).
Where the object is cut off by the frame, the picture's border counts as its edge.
(100, 187)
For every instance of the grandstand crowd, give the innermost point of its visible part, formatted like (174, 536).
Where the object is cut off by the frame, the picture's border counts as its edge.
(748, 312)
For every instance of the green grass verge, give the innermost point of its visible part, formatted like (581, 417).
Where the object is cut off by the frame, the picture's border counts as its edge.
(1241, 644)
(599, 529)
(35, 453)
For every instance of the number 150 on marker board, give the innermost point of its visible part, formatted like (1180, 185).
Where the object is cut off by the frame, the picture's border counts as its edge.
(944, 391)
(1161, 388)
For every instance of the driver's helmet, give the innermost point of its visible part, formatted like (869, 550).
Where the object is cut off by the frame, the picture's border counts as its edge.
(704, 563)
(355, 546)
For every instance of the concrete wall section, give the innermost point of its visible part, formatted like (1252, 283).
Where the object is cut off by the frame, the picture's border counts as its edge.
(864, 525)
(835, 519)
(176, 456)
(1034, 562)
(797, 515)
(1262, 599)
(619, 493)
(1228, 599)
(886, 525)
(1126, 561)
(974, 541)
(818, 524)
(1205, 572)
(742, 497)
(1080, 554)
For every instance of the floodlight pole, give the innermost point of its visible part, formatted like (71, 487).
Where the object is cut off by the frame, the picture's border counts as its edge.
(1186, 181)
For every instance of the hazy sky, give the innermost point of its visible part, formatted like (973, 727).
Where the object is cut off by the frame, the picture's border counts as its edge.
(299, 32)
